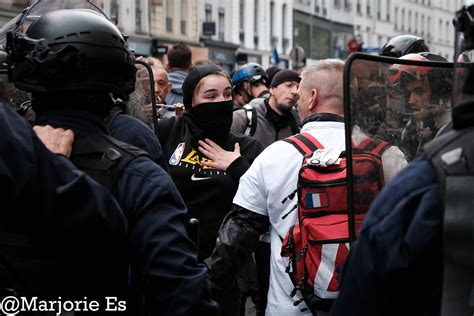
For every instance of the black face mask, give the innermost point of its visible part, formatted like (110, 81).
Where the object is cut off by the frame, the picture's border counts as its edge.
(214, 119)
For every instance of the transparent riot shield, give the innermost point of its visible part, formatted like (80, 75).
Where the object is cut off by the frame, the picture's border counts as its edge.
(143, 97)
(393, 107)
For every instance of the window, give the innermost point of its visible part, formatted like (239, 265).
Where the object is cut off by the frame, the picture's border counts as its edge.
(396, 18)
(208, 14)
(416, 23)
(379, 14)
(403, 20)
(169, 16)
(286, 41)
(184, 16)
(358, 7)
(422, 24)
(347, 5)
(272, 22)
(138, 16)
(114, 11)
(316, 7)
(388, 10)
(256, 19)
(368, 9)
(221, 22)
(241, 22)
(428, 28)
(409, 21)
(337, 3)
(440, 32)
(448, 33)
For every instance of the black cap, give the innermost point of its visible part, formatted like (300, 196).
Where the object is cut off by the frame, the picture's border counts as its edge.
(271, 72)
(284, 76)
(195, 75)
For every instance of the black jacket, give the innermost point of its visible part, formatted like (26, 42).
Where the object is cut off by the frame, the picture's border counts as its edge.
(208, 193)
(121, 125)
(164, 269)
(75, 227)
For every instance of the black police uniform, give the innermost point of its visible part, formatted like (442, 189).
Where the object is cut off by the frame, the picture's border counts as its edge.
(73, 85)
(55, 222)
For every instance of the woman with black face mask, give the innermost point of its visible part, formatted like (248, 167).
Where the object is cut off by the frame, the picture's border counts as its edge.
(205, 160)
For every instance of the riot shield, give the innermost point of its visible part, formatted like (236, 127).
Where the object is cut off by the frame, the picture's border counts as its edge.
(144, 94)
(145, 83)
(393, 107)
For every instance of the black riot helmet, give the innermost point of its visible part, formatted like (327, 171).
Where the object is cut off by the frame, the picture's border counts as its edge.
(71, 51)
(401, 45)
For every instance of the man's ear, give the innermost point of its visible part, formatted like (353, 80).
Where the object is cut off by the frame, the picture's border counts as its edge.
(170, 86)
(314, 99)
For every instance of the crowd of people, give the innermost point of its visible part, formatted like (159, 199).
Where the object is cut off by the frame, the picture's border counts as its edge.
(122, 160)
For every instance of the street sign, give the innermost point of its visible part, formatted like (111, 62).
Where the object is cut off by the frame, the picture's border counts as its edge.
(298, 56)
(209, 28)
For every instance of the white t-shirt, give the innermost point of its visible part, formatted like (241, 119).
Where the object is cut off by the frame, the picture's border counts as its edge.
(273, 176)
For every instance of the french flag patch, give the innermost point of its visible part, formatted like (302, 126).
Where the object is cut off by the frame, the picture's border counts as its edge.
(316, 200)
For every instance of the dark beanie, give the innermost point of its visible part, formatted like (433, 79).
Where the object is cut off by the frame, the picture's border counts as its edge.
(271, 72)
(195, 75)
(284, 76)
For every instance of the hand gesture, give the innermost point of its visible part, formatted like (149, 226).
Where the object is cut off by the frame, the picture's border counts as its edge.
(221, 158)
(179, 109)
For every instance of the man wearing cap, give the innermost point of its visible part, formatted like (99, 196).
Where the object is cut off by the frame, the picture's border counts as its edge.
(274, 117)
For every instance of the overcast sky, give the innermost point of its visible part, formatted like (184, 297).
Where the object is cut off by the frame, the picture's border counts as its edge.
(469, 1)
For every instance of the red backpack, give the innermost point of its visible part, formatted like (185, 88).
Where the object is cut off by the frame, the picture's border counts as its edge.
(317, 246)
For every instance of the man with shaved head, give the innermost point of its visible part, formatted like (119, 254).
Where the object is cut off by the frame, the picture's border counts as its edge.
(272, 176)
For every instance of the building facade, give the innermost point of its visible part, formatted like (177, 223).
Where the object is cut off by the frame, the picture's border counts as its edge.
(376, 21)
(322, 28)
(233, 32)
(252, 28)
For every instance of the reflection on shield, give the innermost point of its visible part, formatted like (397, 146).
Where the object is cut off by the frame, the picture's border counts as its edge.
(144, 95)
(393, 107)
(403, 102)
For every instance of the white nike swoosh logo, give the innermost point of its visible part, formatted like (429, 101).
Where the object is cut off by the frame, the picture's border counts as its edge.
(194, 178)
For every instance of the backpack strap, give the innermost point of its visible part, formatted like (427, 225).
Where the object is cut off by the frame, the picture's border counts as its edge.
(304, 143)
(251, 116)
(103, 158)
(374, 146)
(452, 156)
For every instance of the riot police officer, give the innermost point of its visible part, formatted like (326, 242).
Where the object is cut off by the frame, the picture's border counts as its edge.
(414, 254)
(77, 66)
